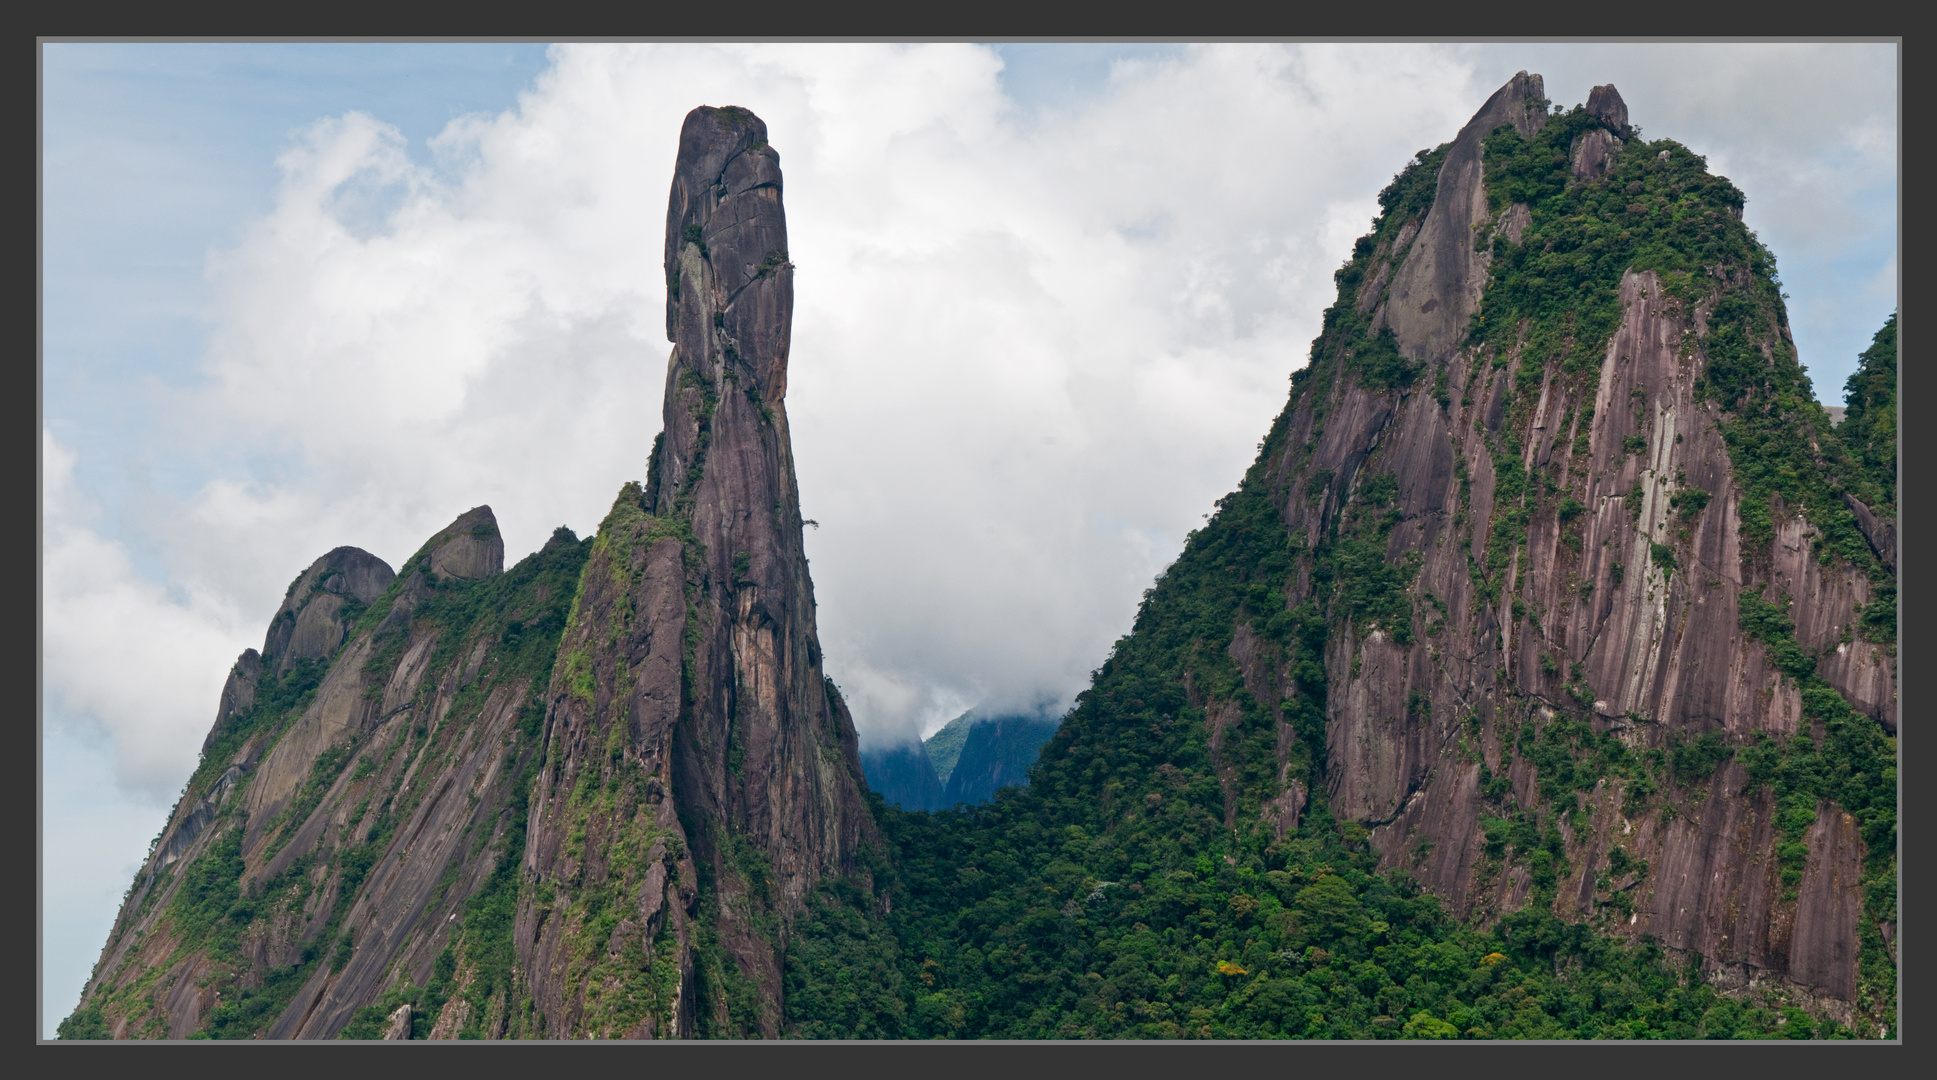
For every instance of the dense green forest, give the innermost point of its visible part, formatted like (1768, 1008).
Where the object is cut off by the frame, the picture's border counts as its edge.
(1109, 900)
(1118, 897)
(1869, 426)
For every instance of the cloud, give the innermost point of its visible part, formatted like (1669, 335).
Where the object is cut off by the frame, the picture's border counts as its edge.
(1029, 351)
(1025, 360)
(120, 654)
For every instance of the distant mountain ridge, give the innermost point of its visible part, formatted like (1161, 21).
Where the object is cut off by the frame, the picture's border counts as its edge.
(996, 753)
(967, 761)
(945, 746)
(904, 775)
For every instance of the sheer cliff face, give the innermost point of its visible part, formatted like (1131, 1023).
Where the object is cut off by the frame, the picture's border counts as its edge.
(1437, 286)
(357, 789)
(1569, 527)
(689, 689)
(772, 747)
(583, 798)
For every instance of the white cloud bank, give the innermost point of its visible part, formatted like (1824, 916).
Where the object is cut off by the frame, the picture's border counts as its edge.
(1029, 350)
(118, 649)
(1027, 355)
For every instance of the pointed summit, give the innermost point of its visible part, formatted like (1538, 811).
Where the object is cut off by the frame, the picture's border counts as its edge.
(469, 548)
(691, 677)
(1604, 104)
(1437, 287)
(725, 215)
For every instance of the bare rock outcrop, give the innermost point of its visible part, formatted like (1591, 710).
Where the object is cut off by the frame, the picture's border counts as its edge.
(1613, 595)
(238, 693)
(312, 620)
(1437, 288)
(1594, 150)
(1604, 104)
(359, 807)
(692, 676)
(398, 1024)
(469, 548)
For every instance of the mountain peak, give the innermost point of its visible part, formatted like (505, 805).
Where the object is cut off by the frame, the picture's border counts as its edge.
(1604, 104)
(1437, 287)
(469, 548)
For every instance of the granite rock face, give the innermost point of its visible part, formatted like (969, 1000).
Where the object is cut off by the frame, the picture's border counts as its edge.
(582, 798)
(1437, 286)
(1604, 104)
(312, 620)
(357, 807)
(694, 650)
(1593, 150)
(1591, 154)
(469, 548)
(238, 693)
(1624, 607)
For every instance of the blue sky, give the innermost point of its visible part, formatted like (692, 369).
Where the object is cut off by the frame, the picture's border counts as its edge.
(1049, 297)
(155, 154)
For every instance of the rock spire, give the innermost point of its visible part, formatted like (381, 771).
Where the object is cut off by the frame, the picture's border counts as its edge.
(695, 635)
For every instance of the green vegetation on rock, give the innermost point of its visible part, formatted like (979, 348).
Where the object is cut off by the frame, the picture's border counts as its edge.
(1109, 899)
(1869, 427)
(1134, 889)
(945, 746)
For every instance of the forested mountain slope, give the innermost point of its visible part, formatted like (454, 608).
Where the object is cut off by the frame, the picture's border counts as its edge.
(1538, 680)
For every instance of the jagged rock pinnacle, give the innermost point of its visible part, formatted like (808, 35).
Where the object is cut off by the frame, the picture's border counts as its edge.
(1604, 104)
(695, 623)
(1438, 286)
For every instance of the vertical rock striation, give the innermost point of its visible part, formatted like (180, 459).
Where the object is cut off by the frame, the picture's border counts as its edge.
(357, 792)
(689, 688)
(1437, 286)
(1558, 479)
(584, 798)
